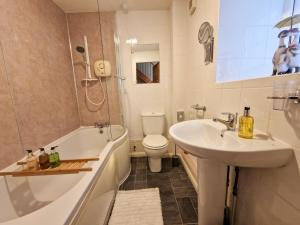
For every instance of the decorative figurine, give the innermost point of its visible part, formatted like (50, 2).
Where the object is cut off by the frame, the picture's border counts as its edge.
(280, 63)
(293, 52)
(205, 37)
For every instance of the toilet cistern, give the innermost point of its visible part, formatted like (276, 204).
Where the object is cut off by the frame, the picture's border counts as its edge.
(155, 144)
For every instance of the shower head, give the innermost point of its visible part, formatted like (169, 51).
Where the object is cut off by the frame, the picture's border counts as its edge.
(80, 49)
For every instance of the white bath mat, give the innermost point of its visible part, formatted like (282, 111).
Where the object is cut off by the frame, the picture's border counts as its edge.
(137, 207)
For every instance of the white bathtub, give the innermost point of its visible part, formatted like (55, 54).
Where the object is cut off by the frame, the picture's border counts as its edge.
(62, 199)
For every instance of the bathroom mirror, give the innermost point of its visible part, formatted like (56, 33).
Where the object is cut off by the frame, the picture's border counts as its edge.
(250, 34)
(145, 63)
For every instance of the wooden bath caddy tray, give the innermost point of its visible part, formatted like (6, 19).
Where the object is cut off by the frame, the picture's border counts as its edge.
(68, 166)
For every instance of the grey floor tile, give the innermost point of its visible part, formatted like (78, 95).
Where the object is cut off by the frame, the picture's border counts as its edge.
(168, 201)
(133, 171)
(140, 177)
(171, 215)
(142, 160)
(178, 197)
(131, 178)
(133, 160)
(141, 165)
(140, 185)
(183, 192)
(128, 186)
(177, 183)
(195, 203)
(141, 171)
(187, 210)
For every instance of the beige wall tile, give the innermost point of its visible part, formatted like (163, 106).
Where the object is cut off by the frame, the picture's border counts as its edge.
(256, 98)
(36, 52)
(285, 125)
(10, 146)
(81, 24)
(230, 100)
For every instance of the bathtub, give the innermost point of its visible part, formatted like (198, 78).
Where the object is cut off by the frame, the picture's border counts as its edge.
(71, 198)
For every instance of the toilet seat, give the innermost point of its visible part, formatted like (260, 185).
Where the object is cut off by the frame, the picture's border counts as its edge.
(155, 141)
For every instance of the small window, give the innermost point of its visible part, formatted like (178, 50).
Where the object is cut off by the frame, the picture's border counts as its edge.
(145, 63)
(147, 72)
(255, 39)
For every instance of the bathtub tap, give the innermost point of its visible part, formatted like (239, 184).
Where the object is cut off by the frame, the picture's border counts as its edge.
(101, 126)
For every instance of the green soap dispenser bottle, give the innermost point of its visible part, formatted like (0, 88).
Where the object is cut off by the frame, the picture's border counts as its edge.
(54, 157)
(246, 123)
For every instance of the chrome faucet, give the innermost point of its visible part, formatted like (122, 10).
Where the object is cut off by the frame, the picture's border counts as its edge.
(101, 125)
(98, 125)
(230, 123)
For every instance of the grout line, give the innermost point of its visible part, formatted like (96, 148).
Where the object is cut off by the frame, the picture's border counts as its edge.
(135, 175)
(172, 187)
(147, 173)
(196, 211)
(73, 72)
(176, 201)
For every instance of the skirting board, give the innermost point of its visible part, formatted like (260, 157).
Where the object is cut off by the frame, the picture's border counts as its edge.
(169, 155)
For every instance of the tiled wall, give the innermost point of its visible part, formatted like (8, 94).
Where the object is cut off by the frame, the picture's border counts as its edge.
(10, 145)
(180, 56)
(81, 24)
(148, 27)
(37, 88)
(36, 52)
(266, 196)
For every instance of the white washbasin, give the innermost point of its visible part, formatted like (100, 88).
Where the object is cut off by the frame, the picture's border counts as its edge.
(202, 138)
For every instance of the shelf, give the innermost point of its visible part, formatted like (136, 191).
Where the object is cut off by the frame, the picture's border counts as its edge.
(90, 80)
(97, 79)
(69, 166)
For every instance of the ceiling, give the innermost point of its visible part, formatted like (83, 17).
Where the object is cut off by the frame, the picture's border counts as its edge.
(72, 6)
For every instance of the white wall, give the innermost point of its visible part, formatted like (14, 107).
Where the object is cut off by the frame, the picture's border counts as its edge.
(148, 27)
(266, 196)
(180, 70)
(179, 55)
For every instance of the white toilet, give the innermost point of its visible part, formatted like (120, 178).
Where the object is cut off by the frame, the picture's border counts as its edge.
(155, 144)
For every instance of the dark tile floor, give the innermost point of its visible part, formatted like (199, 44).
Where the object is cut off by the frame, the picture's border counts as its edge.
(178, 196)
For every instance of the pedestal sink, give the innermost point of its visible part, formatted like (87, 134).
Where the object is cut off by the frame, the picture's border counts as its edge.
(202, 138)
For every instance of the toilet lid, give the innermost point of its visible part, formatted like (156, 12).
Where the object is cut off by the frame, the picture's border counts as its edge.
(155, 141)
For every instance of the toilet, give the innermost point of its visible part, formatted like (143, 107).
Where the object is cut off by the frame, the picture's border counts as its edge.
(155, 144)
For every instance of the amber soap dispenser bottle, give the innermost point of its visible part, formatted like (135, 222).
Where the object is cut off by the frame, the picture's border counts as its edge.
(246, 123)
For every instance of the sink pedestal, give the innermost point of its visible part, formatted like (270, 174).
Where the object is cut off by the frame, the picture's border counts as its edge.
(211, 192)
